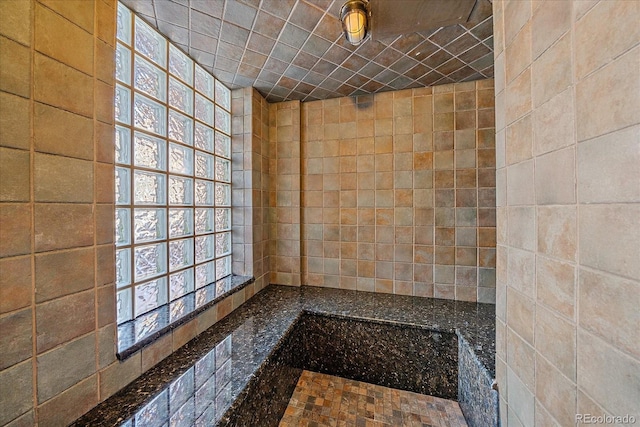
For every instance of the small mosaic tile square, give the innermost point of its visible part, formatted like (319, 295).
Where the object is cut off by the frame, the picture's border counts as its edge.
(321, 400)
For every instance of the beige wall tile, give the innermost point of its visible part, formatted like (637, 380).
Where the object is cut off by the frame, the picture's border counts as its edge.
(60, 226)
(62, 40)
(521, 357)
(518, 53)
(520, 190)
(15, 283)
(520, 137)
(608, 169)
(63, 319)
(156, 351)
(608, 307)
(556, 393)
(71, 404)
(515, 17)
(19, 398)
(63, 273)
(107, 343)
(598, 42)
(62, 179)
(521, 399)
(554, 123)
(614, 108)
(609, 238)
(16, 337)
(609, 376)
(14, 118)
(521, 315)
(551, 73)
(61, 86)
(15, 220)
(14, 175)
(60, 132)
(78, 11)
(557, 231)
(556, 285)
(522, 227)
(16, 68)
(556, 177)
(16, 21)
(63, 367)
(119, 374)
(550, 331)
(550, 21)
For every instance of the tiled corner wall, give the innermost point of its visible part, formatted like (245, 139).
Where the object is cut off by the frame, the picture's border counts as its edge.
(250, 185)
(284, 202)
(57, 293)
(399, 192)
(568, 197)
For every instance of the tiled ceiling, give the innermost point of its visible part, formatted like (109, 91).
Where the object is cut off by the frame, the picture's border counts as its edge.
(294, 49)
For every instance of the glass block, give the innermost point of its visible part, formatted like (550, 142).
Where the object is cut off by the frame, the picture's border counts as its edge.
(223, 120)
(123, 24)
(223, 244)
(149, 115)
(180, 222)
(180, 96)
(223, 285)
(205, 367)
(154, 413)
(180, 307)
(149, 188)
(204, 193)
(204, 165)
(223, 145)
(122, 186)
(223, 170)
(150, 43)
(122, 105)
(223, 353)
(204, 137)
(180, 254)
(180, 283)
(181, 390)
(123, 267)
(205, 295)
(149, 323)
(150, 261)
(180, 127)
(180, 65)
(123, 227)
(205, 274)
(224, 398)
(223, 96)
(149, 225)
(185, 416)
(123, 64)
(223, 267)
(123, 305)
(204, 248)
(149, 79)
(204, 110)
(223, 194)
(180, 159)
(180, 190)
(209, 417)
(204, 82)
(149, 152)
(223, 219)
(123, 145)
(204, 220)
(150, 295)
(205, 395)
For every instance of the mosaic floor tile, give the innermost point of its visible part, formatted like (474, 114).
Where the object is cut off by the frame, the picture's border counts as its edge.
(321, 400)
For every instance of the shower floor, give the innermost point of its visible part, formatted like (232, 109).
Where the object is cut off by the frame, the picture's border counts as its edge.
(323, 400)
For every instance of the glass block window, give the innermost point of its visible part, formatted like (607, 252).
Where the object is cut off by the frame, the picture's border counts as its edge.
(173, 176)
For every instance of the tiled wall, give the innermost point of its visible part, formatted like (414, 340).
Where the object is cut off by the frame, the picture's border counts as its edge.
(250, 185)
(568, 197)
(399, 192)
(284, 202)
(57, 295)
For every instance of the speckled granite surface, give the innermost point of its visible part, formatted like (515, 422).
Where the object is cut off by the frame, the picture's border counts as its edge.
(229, 369)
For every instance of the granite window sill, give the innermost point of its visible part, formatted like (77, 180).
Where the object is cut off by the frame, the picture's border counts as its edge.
(149, 327)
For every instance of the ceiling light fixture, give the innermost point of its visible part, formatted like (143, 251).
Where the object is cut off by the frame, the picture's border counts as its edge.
(355, 22)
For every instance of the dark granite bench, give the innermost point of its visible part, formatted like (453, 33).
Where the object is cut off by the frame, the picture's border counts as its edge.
(243, 370)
